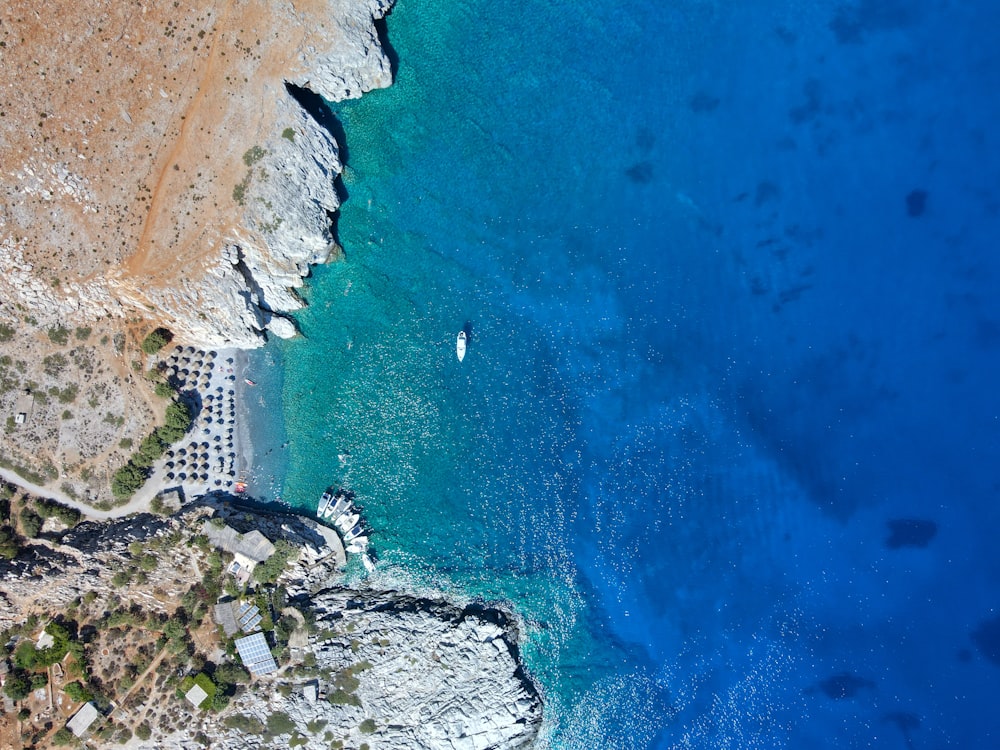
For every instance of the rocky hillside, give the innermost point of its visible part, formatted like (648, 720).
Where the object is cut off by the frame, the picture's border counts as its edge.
(156, 164)
(358, 666)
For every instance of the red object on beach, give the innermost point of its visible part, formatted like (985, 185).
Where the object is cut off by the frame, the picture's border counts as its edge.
(241, 487)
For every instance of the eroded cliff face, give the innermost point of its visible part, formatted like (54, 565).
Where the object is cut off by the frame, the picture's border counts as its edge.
(156, 165)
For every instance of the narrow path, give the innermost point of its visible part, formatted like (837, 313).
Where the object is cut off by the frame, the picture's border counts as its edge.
(139, 502)
(138, 680)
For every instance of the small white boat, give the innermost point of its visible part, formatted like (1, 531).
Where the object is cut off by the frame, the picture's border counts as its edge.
(460, 346)
(324, 503)
(248, 381)
(358, 545)
(338, 508)
(369, 563)
(353, 533)
(345, 522)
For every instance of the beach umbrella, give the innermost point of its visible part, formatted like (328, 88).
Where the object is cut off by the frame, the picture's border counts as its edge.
(170, 475)
(182, 476)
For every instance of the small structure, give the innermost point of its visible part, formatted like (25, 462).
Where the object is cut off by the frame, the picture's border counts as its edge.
(82, 719)
(256, 655)
(248, 549)
(311, 691)
(44, 641)
(233, 616)
(196, 696)
(23, 406)
(225, 616)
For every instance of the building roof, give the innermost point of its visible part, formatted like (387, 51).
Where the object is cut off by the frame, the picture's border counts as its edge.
(252, 545)
(225, 616)
(82, 719)
(256, 654)
(196, 696)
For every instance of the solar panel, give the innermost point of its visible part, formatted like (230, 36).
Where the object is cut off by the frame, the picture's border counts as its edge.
(243, 608)
(249, 626)
(255, 654)
(245, 616)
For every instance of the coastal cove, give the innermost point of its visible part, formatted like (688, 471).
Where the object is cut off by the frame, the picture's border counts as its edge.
(692, 415)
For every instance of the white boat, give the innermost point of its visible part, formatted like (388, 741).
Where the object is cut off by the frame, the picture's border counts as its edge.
(340, 507)
(358, 545)
(347, 521)
(354, 532)
(324, 503)
(460, 346)
(369, 563)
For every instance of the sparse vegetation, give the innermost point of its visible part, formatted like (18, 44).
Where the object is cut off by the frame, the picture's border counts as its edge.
(59, 335)
(253, 155)
(288, 134)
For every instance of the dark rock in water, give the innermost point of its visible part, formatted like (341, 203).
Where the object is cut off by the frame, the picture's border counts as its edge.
(905, 722)
(641, 173)
(910, 532)
(645, 139)
(842, 686)
(916, 203)
(987, 639)
(703, 103)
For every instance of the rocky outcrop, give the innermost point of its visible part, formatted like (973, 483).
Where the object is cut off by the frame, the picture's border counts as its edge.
(288, 196)
(52, 574)
(401, 672)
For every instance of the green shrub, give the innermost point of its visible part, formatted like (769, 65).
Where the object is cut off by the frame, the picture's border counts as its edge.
(367, 726)
(244, 723)
(253, 155)
(144, 731)
(59, 335)
(31, 523)
(156, 340)
(6, 332)
(279, 723)
(82, 333)
(289, 134)
(270, 569)
(163, 390)
(63, 737)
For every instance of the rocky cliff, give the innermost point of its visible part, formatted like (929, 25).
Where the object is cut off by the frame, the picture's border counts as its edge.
(161, 167)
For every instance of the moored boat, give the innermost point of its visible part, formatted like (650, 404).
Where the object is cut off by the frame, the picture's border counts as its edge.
(324, 503)
(460, 345)
(353, 533)
(338, 508)
(347, 521)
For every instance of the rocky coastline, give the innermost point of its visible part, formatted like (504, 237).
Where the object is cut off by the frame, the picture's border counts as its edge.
(364, 666)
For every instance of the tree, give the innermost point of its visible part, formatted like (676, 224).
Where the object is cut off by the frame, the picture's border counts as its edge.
(31, 523)
(26, 655)
(156, 340)
(9, 544)
(18, 685)
(77, 692)
(62, 737)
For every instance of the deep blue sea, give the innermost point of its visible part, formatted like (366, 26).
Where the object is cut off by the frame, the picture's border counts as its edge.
(727, 436)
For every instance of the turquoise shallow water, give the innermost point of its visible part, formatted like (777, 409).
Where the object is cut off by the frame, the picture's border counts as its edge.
(729, 280)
